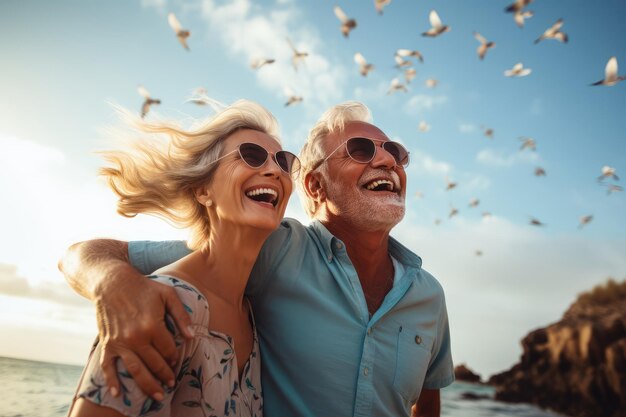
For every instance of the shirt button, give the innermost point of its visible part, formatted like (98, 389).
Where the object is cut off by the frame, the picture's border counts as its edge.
(418, 340)
(338, 245)
(330, 258)
(370, 330)
(366, 371)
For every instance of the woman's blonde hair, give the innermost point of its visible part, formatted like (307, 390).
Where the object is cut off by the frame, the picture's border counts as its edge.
(163, 164)
(313, 153)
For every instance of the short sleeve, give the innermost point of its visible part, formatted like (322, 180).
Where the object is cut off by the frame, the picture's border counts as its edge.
(440, 371)
(148, 256)
(131, 401)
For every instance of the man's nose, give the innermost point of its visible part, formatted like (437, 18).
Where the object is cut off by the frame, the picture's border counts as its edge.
(382, 158)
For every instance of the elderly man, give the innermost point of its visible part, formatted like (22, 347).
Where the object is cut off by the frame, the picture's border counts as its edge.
(349, 322)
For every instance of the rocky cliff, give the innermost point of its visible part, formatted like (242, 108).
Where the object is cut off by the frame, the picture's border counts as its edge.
(576, 366)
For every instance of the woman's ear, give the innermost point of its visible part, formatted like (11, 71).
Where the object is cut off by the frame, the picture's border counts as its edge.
(203, 196)
(313, 187)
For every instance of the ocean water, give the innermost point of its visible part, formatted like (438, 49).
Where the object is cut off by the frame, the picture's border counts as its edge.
(39, 389)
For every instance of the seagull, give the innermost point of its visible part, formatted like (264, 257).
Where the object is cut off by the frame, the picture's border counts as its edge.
(410, 52)
(291, 97)
(450, 184)
(298, 56)
(520, 16)
(380, 5)
(257, 63)
(453, 212)
(610, 74)
(486, 215)
(396, 85)
(478, 252)
(199, 97)
(611, 188)
(431, 83)
(485, 45)
(346, 24)
(517, 6)
(535, 222)
(364, 66)
(437, 28)
(518, 70)
(554, 32)
(474, 202)
(585, 220)
(489, 133)
(423, 126)
(607, 172)
(149, 101)
(409, 74)
(540, 172)
(181, 34)
(528, 143)
(401, 62)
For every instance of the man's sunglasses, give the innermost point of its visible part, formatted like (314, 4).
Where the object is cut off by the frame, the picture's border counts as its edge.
(255, 156)
(363, 150)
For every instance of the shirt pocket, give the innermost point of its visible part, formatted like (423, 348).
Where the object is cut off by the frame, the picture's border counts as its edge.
(413, 354)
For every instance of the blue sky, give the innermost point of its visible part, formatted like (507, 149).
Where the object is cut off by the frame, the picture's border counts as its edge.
(64, 62)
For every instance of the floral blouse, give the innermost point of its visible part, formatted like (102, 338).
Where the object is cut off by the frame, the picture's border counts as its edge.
(207, 380)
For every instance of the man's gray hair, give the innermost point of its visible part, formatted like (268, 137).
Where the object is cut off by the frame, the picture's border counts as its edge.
(313, 153)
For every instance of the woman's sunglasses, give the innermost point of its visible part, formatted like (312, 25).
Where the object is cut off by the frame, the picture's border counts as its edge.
(255, 156)
(363, 150)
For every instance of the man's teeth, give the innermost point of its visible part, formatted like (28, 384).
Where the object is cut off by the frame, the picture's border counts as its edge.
(260, 191)
(377, 183)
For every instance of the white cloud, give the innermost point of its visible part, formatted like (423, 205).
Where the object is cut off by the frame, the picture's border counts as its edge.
(525, 279)
(247, 33)
(467, 128)
(499, 159)
(421, 103)
(427, 164)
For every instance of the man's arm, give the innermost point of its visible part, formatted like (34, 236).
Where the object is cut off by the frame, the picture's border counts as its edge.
(131, 313)
(428, 404)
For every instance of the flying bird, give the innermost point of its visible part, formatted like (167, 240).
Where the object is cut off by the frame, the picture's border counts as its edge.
(409, 74)
(364, 66)
(423, 126)
(554, 32)
(257, 63)
(478, 252)
(453, 212)
(584, 220)
(518, 70)
(608, 172)
(485, 45)
(410, 53)
(517, 6)
(292, 98)
(534, 222)
(396, 85)
(610, 74)
(148, 100)
(298, 56)
(419, 194)
(520, 16)
(380, 5)
(528, 143)
(199, 97)
(450, 184)
(437, 28)
(181, 33)
(431, 83)
(486, 215)
(488, 133)
(474, 202)
(540, 172)
(612, 188)
(347, 24)
(401, 62)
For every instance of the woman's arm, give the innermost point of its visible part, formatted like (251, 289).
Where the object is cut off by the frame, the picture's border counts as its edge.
(130, 311)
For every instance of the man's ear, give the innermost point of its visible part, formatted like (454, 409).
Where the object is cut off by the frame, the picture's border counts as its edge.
(203, 196)
(314, 187)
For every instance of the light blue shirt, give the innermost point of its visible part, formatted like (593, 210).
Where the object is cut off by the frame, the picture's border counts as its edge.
(321, 353)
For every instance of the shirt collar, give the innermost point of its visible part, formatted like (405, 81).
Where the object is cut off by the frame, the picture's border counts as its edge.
(396, 249)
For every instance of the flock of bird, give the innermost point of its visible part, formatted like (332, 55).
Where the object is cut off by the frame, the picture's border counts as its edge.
(404, 60)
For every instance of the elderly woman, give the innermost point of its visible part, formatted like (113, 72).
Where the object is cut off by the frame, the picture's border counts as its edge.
(227, 178)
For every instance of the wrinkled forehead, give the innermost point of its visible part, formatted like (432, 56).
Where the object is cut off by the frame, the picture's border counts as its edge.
(353, 130)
